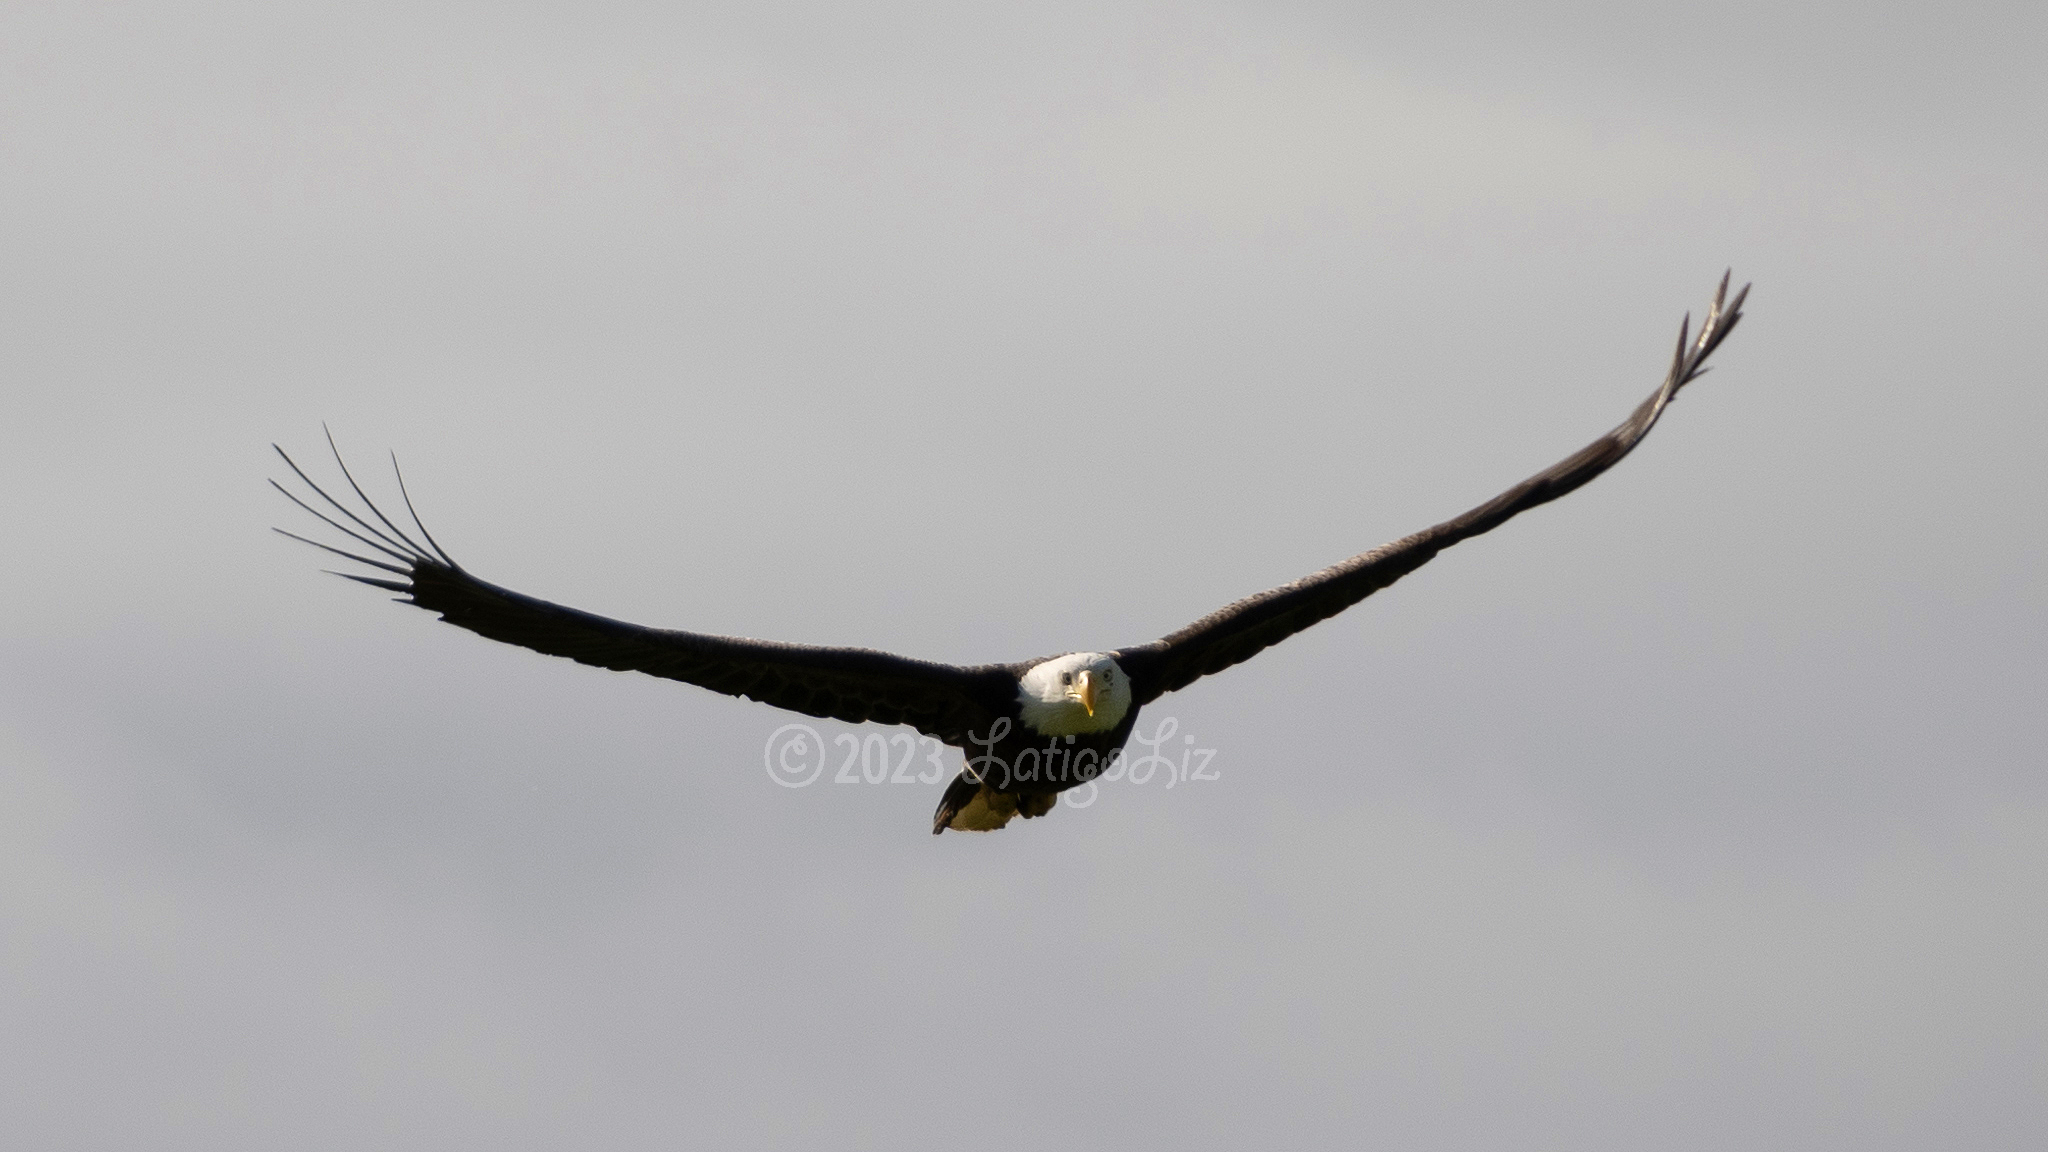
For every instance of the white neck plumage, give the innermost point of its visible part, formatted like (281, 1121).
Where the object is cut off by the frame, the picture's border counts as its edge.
(1074, 694)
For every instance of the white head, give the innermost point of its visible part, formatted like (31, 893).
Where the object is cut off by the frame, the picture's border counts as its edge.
(1076, 693)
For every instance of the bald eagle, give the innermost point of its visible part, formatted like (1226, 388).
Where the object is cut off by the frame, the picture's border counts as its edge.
(1031, 729)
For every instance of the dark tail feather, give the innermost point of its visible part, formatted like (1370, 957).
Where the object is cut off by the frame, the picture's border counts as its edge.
(958, 795)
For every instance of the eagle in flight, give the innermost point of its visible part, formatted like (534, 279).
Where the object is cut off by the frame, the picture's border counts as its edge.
(1031, 729)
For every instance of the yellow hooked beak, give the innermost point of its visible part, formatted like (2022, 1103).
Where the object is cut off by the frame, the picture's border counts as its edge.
(1084, 691)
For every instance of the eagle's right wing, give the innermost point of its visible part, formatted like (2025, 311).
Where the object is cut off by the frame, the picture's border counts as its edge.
(851, 684)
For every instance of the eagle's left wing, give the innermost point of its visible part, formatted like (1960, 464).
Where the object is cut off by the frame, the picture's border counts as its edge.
(1239, 631)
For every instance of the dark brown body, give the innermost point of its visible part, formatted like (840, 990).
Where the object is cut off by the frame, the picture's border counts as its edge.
(1014, 770)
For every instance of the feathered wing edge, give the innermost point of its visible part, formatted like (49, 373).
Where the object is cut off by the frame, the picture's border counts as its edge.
(850, 684)
(1240, 630)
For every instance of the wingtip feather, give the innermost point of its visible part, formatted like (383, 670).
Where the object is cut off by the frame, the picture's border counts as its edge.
(372, 581)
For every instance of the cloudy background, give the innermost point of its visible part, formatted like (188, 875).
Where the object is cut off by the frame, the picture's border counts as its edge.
(1705, 809)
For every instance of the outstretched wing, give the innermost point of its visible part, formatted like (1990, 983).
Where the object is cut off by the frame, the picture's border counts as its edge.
(1239, 631)
(850, 684)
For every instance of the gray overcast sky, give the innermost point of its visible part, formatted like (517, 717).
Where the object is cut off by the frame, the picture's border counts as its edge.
(1704, 809)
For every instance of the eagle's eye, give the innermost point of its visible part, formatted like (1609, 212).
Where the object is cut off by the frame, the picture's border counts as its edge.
(1066, 677)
